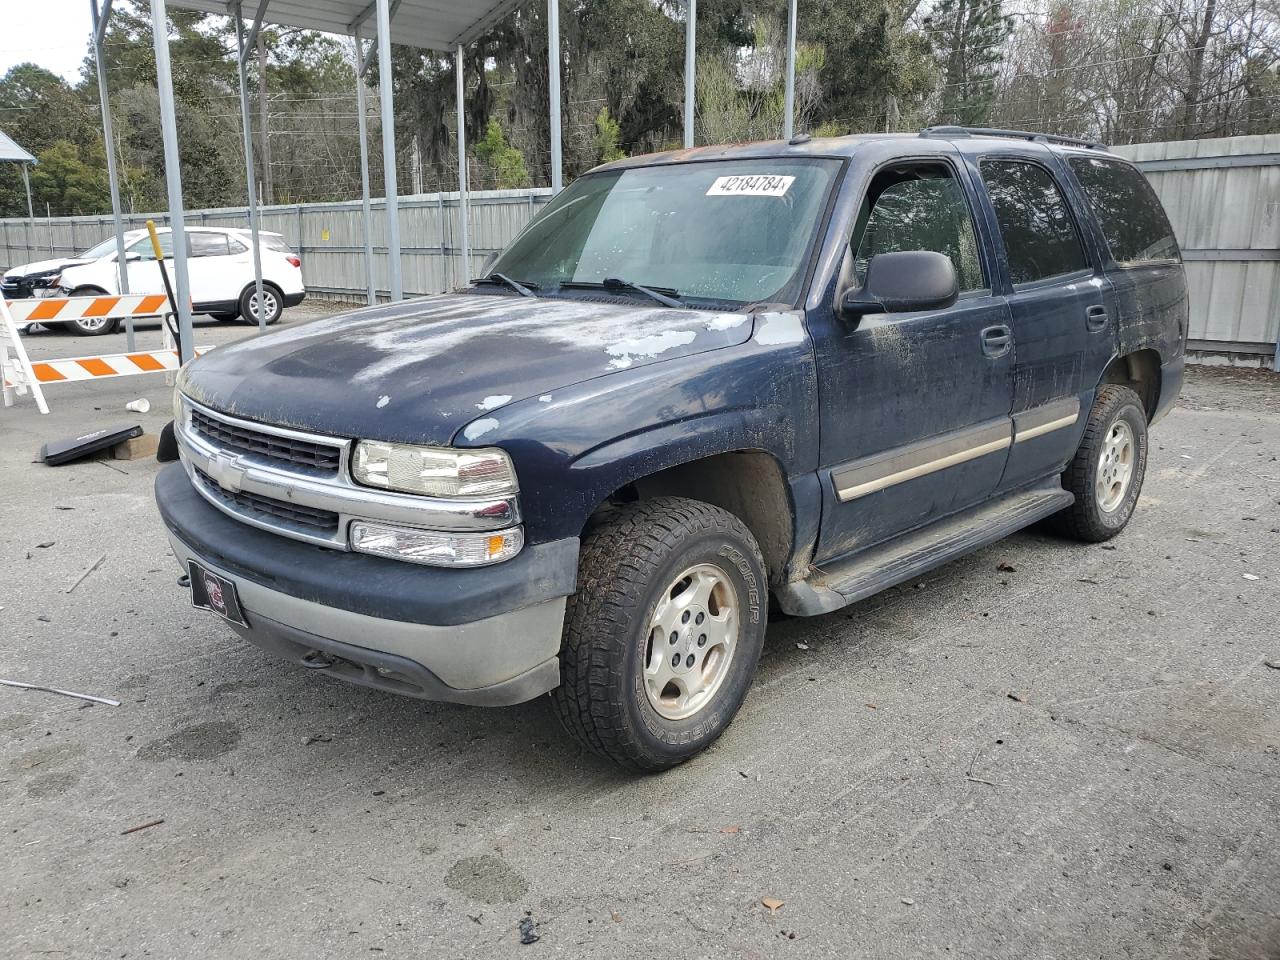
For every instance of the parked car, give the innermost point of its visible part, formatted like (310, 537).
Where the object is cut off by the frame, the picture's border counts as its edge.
(698, 380)
(40, 279)
(219, 265)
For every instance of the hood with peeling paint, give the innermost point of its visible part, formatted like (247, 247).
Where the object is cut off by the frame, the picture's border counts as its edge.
(421, 370)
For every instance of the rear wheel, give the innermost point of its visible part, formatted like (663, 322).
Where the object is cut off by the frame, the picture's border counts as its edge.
(663, 635)
(90, 326)
(1107, 471)
(226, 317)
(272, 304)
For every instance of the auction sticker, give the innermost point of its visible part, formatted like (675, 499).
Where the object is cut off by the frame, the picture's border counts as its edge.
(751, 185)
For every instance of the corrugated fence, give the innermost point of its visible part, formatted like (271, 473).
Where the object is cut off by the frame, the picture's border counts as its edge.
(1222, 195)
(1223, 198)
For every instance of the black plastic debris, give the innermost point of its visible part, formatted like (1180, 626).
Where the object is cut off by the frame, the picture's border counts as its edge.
(57, 452)
(529, 931)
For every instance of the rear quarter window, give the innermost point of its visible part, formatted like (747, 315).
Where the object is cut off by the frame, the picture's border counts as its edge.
(1128, 211)
(276, 243)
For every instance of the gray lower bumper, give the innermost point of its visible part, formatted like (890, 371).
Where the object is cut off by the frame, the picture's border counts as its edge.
(499, 660)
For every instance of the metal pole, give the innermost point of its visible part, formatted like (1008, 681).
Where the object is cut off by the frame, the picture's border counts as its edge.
(463, 207)
(389, 149)
(31, 213)
(100, 18)
(553, 68)
(247, 132)
(690, 68)
(789, 107)
(172, 175)
(362, 64)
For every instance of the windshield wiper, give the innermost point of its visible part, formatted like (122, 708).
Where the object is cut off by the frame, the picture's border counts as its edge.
(524, 289)
(664, 295)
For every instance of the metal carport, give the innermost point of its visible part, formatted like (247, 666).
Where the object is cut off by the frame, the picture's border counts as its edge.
(10, 152)
(445, 26)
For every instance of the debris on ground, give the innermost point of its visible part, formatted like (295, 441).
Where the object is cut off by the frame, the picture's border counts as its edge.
(907, 900)
(1273, 664)
(84, 576)
(529, 931)
(1250, 576)
(730, 829)
(1005, 567)
(802, 646)
(1017, 698)
(64, 693)
(772, 904)
(141, 826)
(317, 738)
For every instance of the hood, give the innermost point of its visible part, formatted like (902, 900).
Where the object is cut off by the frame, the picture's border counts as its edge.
(43, 266)
(418, 371)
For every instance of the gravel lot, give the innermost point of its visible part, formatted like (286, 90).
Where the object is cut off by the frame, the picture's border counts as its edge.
(1042, 750)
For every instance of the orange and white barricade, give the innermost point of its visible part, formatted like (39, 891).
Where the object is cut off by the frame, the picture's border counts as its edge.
(20, 375)
(62, 309)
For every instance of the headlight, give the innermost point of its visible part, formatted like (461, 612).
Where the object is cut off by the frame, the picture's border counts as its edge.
(433, 471)
(434, 547)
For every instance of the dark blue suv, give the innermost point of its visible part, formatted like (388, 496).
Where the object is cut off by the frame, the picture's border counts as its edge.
(697, 382)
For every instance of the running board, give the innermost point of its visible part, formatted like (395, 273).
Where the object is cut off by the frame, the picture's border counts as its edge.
(847, 581)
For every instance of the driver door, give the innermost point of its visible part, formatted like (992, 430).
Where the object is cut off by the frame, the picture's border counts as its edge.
(914, 407)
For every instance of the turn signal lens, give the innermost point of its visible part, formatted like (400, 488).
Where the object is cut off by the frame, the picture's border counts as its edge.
(433, 547)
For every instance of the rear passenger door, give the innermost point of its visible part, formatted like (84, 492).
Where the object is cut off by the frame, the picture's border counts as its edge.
(1061, 307)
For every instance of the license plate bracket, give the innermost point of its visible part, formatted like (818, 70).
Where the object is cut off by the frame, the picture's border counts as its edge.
(215, 594)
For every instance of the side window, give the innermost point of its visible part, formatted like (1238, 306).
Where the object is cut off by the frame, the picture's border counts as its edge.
(207, 244)
(1127, 209)
(1040, 239)
(145, 251)
(919, 207)
(237, 247)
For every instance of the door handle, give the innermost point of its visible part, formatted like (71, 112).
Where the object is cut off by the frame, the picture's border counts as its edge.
(1095, 318)
(997, 341)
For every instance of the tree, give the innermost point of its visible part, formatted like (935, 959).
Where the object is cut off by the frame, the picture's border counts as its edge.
(503, 164)
(967, 36)
(67, 183)
(607, 131)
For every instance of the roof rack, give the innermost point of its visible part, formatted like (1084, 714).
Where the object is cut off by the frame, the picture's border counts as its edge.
(946, 132)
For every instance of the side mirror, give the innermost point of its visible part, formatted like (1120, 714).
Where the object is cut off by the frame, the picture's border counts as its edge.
(903, 282)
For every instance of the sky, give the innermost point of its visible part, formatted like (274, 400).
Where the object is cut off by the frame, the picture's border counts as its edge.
(52, 33)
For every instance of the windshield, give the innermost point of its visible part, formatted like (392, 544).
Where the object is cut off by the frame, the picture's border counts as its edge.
(737, 231)
(101, 250)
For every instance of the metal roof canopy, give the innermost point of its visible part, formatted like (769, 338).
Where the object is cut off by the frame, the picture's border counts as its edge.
(438, 25)
(12, 153)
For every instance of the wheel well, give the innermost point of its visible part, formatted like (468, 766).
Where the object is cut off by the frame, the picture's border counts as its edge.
(252, 285)
(1140, 372)
(750, 484)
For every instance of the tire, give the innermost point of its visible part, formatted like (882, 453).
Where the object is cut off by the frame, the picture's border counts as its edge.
(652, 566)
(226, 317)
(89, 326)
(271, 294)
(1107, 471)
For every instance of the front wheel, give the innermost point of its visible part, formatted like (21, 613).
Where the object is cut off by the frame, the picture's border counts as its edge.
(1107, 471)
(272, 304)
(90, 326)
(663, 634)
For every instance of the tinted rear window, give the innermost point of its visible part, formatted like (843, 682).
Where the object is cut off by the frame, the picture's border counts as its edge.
(270, 242)
(1127, 209)
(1040, 238)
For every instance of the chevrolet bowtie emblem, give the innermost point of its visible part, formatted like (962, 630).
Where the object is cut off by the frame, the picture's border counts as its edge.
(228, 471)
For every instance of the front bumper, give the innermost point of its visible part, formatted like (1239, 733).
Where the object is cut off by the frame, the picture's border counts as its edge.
(488, 636)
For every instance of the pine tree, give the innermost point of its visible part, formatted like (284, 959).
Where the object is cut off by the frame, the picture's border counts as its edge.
(967, 36)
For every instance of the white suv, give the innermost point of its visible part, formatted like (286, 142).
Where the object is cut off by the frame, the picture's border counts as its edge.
(219, 264)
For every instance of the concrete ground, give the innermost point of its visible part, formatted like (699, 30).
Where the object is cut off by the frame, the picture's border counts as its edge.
(1043, 750)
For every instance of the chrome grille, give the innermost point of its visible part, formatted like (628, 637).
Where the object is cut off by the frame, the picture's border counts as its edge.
(242, 438)
(309, 517)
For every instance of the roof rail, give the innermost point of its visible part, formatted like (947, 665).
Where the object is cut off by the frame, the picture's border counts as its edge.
(947, 132)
